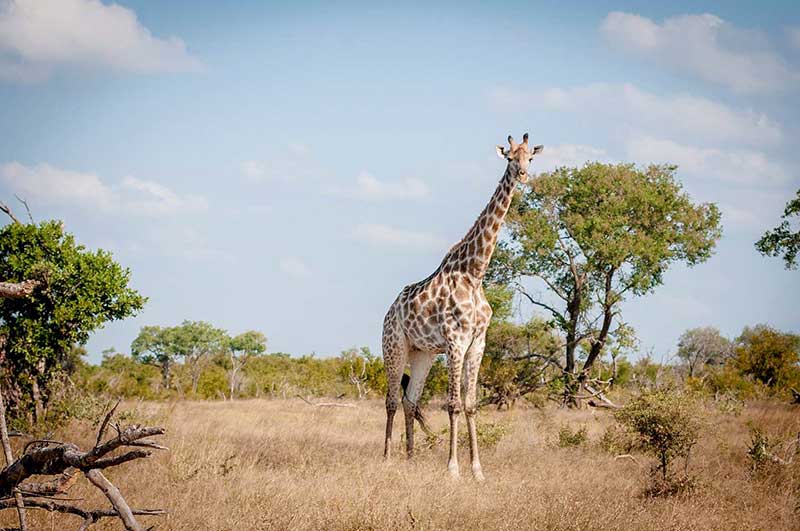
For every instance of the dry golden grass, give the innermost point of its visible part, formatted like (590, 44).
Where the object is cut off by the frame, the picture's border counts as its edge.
(261, 464)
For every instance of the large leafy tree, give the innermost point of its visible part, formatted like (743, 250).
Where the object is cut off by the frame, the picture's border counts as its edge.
(154, 346)
(196, 342)
(770, 356)
(782, 240)
(592, 236)
(78, 292)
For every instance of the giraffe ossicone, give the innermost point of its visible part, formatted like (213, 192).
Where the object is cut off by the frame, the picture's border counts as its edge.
(447, 313)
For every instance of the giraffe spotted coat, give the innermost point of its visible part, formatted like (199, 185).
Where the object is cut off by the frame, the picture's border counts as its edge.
(448, 313)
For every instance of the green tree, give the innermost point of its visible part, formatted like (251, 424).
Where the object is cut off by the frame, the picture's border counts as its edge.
(242, 349)
(154, 346)
(592, 236)
(769, 356)
(516, 360)
(781, 240)
(196, 342)
(80, 290)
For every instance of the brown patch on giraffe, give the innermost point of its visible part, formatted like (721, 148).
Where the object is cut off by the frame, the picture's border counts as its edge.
(461, 294)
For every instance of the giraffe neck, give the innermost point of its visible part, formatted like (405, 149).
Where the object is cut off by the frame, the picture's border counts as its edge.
(473, 253)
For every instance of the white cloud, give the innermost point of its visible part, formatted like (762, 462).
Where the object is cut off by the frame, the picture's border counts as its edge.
(134, 196)
(627, 106)
(370, 188)
(705, 46)
(739, 166)
(385, 235)
(294, 267)
(152, 198)
(288, 164)
(37, 36)
(573, 155)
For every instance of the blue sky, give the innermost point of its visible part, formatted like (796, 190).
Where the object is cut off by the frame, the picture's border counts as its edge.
(289, 168)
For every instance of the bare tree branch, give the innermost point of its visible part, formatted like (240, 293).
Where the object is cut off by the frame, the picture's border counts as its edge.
(89, 516)
(5, 208)
(65, 459)
(324, 404)
(53, 487)
(101, 432)
(115, 497)
(27, 208)
(558, 315)
(17, 290)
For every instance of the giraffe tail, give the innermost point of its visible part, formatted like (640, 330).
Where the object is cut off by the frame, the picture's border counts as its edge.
(423, 422)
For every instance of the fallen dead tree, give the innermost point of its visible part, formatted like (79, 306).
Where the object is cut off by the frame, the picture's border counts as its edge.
(65, 461)
(325, 404)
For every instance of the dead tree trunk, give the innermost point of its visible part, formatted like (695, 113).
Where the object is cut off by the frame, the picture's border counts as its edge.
(64, 460)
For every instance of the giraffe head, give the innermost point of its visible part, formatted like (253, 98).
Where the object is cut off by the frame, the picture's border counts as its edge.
(519, 156)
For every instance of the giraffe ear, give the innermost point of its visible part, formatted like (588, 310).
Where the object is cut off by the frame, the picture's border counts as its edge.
(538, 149)
(501, 152)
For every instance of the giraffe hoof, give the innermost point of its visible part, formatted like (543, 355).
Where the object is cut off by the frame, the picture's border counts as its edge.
(453, 470)
(477, 475)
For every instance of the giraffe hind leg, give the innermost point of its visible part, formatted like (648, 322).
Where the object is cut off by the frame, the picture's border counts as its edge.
(420, 363)
(418, 414)
(394, 359)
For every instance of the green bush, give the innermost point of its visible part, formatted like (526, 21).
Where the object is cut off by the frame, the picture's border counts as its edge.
(759, 449)
(568, 438)
(617, 440)
(666, 423)
(213, 382)
(729, 404)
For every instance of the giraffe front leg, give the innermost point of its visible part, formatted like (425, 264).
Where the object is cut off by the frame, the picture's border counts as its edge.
(473, 364)
(455, 364)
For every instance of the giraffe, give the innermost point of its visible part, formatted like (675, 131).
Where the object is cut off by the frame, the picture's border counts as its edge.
(448, 313)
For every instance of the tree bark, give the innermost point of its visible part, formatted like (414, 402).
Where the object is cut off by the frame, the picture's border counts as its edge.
(571, 385)
(17, 290)
(10, 459)
(115, 497)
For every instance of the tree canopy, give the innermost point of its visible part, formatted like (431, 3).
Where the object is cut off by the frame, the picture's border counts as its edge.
(593, 235)
(699, 347)
(770, 356)
(80, 290)
(781, 240)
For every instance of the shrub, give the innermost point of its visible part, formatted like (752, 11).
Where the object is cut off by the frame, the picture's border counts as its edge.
(568, 438)
(489, 434)
(759, 449)
(729, 404)
(617, 440)
(213, 382)
(769, 356)
(728, 380)
(666, 424)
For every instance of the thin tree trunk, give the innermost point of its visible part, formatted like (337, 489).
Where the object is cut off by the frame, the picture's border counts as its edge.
(571, 388)
(10, 459)
(38, 407)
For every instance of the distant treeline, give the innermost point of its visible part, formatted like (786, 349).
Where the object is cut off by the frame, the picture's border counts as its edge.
(760, 362)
